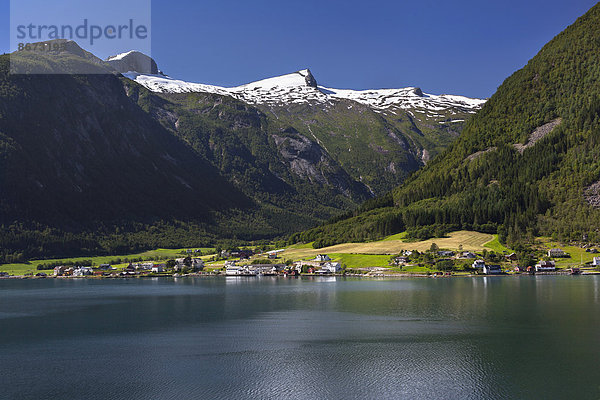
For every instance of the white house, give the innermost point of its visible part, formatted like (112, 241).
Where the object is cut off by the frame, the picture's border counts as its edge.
(596, 261)
(233, 270)
(330, 268)
(401, 260)
(556, 253)
(322, 258)
(237, 270)
(59, 271)
(180, 260)
(492, 269)
(147, 266)
(83, 271)
(478, 264)
(543, 266)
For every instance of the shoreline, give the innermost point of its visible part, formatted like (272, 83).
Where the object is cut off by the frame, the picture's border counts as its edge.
(374, 276)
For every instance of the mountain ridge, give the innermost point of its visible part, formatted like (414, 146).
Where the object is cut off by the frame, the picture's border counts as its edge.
(301, 86)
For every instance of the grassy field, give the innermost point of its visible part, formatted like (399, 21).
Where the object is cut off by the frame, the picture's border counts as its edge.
(471, 241)
(22, 269)
(496, 246)
(397, 236)
(361, 260)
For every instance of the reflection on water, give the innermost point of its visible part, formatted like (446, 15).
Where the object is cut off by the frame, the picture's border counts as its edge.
(321, 337)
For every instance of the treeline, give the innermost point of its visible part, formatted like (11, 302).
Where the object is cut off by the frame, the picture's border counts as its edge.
(68, 263)
(21, 242)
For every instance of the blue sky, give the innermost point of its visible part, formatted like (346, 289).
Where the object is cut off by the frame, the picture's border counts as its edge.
(460, 47)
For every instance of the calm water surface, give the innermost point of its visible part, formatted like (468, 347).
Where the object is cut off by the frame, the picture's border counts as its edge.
(257, 338)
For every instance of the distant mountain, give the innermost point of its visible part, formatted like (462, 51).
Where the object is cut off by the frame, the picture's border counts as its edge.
(100, 163)
(527, 164)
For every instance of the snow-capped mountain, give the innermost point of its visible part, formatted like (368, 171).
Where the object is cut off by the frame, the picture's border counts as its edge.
(377, 137)
(301, 88)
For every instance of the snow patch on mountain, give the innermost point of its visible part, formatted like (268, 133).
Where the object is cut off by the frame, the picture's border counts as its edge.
(301, 88)
(407, 98)
(120, 56)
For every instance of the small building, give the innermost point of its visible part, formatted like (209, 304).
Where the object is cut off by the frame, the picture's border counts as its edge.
(225, 254)
(232, 270)
(242, 254)
(266, 269)
(445, 253)
(322, 258)
(545, 266)
(596, 261)
(401, 260)
(144, 266)
(105, 267)
(129, 270)
(197, 264)
(492, 269)
(477, 264)
(330, 268)
(239, 270)
(512, 257)
(60, 270)
(468, 254)
(83, 271)
(158, 268)
(557, 253)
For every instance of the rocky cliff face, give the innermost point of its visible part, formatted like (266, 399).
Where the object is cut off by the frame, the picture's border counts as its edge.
(133, 61)
(262, 158)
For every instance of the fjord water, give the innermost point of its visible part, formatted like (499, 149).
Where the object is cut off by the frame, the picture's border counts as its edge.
(342, 338)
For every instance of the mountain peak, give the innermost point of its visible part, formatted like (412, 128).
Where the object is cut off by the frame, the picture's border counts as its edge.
(308, 76)
(133, 61)
(302, 78)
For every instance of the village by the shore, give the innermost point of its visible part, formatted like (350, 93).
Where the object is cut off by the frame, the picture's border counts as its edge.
(248, 263)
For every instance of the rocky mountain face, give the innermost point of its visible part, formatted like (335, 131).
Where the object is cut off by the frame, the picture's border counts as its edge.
(133, 61)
